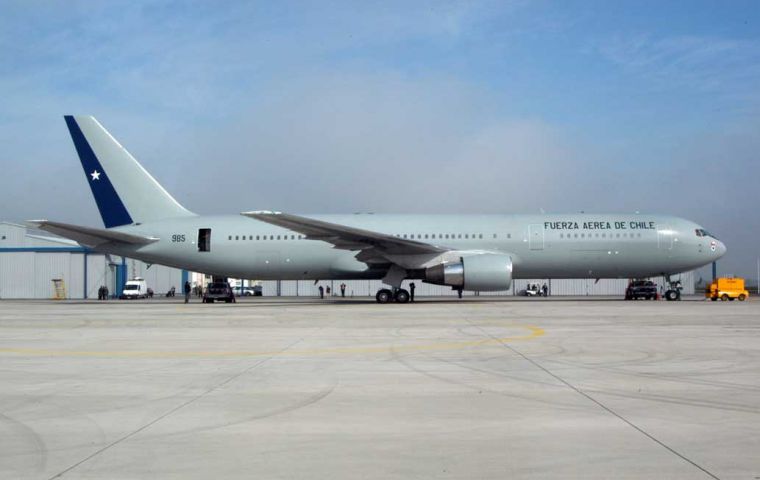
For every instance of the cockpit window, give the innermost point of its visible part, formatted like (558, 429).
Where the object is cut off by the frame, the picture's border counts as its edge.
(704, 233)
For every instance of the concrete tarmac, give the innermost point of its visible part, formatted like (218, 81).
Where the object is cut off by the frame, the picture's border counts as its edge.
(302, 388)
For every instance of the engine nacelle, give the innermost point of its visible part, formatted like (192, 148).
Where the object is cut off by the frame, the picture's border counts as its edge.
(484, 272)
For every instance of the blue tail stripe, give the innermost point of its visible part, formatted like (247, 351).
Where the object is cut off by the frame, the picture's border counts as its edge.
(112, 209)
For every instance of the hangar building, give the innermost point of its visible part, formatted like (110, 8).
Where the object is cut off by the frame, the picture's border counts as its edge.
(31, 260)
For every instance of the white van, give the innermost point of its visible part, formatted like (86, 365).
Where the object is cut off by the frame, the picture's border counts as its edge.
(135, 288)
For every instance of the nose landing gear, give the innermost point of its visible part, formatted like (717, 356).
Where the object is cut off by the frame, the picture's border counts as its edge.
(674, 291)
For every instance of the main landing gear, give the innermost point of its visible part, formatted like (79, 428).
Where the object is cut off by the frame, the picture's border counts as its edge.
(385, 295)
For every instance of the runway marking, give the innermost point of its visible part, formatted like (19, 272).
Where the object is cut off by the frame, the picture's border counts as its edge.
(535, 332)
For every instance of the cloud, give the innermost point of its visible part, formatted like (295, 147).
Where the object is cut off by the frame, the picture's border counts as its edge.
(711, 65)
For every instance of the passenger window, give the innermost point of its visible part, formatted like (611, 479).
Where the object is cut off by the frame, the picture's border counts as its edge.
(494, 235)
(229, 238)
(480, 236)
(257, 237)
(466, 236)
(237, 238)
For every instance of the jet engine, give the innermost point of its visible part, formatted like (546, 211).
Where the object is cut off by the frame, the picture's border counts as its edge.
(484, 272)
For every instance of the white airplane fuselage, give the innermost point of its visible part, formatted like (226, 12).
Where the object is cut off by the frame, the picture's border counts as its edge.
(542, 246)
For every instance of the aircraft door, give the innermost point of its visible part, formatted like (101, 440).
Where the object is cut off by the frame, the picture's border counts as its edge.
(536, 236)
(204, 239)
(665, 237)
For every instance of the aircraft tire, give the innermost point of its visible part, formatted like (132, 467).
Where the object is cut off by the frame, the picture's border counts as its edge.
(383, 295)
(402, 296)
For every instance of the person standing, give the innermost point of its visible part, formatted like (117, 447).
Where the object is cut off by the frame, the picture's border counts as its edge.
(187, 291)
(545, 289)
(412, 286)
(343, 290)
(321, 291)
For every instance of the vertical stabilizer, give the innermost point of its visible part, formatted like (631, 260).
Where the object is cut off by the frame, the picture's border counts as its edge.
(124, 191)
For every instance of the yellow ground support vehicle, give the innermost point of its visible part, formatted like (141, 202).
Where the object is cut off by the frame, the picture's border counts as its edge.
(727, 289)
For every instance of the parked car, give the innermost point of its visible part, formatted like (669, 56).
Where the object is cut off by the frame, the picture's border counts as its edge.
(641, 289)
(254, 291)
(218, 291)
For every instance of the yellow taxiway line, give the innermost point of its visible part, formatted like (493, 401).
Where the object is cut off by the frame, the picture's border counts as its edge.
(534, 332)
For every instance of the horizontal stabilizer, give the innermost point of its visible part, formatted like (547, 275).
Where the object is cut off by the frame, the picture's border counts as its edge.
(88, 236)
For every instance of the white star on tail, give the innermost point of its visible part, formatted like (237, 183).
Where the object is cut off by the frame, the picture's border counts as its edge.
(95, 175)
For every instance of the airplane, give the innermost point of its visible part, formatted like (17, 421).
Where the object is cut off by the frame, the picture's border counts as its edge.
(466, 252)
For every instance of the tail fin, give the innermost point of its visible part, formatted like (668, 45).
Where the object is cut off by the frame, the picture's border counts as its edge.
(124, 191)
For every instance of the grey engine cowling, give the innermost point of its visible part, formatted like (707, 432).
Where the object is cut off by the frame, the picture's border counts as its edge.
(484, 272)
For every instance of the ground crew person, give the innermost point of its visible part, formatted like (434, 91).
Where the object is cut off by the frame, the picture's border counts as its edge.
(412, 286)
(321, 291)
(187, 291)
(342, 289)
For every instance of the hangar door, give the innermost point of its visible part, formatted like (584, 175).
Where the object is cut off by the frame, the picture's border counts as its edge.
(536, 236)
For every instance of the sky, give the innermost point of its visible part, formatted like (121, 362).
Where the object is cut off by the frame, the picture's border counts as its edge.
(427, 107)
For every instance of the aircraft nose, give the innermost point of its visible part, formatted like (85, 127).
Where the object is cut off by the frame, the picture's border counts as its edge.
(720, 249)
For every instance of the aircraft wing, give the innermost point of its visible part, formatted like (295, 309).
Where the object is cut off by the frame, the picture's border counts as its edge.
(344, 237)
(91, 237)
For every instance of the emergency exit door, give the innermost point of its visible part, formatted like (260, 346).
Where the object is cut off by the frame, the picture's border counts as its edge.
(536, 236)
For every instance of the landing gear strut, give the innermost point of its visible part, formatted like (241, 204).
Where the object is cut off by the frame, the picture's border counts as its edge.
(674, 291)
(385, 295)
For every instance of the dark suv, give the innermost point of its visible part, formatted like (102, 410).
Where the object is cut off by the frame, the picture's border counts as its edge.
(218, 291)
(641, 289)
